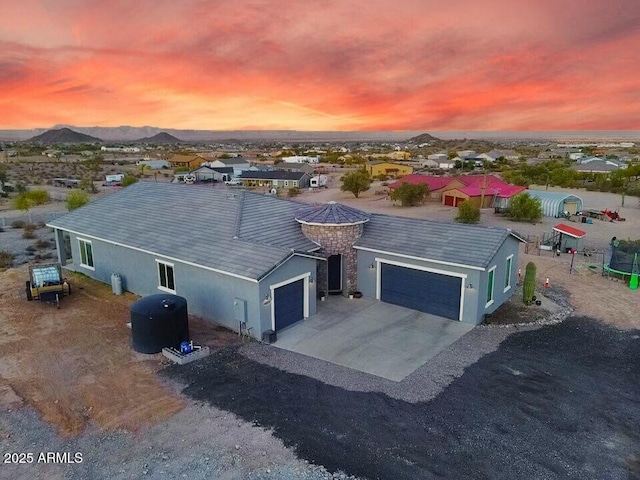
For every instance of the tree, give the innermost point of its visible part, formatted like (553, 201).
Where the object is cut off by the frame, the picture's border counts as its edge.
(409, 194)
(87, 184)
(623, 176)
(356, 182)
(143, 167)
(524, 208)
(77, 199)
(3, 176)
(468, 213)
(94, 164)
(128, 180)
(24, 202)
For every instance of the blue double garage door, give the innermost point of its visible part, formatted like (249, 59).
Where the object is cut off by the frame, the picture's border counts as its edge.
(421, 290)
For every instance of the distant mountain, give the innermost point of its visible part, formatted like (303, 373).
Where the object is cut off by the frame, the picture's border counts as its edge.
(162, 138)
(63, 135)
(424, 138)
(125, 133)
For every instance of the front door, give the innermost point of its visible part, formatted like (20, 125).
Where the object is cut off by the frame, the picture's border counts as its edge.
(334, 266)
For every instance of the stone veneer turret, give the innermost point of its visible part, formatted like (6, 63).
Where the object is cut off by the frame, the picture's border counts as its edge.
(335, 228)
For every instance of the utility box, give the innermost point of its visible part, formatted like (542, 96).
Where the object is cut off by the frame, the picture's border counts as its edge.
(269, 337)
(240, 310)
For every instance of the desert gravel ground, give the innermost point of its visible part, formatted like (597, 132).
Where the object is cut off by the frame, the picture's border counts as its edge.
(548, 399)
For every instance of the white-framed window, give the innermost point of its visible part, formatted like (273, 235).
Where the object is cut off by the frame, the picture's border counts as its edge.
(86, 254)
(166, 278)
(491, 277)
(286, 183)
(507, 273)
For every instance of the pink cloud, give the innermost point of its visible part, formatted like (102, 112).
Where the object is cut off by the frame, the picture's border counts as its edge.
(412, 64)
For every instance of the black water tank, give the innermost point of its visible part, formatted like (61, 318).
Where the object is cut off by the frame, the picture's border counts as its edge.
(159, 321)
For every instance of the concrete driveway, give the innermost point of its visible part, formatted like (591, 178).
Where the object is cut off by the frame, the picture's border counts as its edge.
(370, 336)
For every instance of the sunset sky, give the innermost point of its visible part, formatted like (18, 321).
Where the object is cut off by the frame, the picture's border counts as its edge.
(322, 65)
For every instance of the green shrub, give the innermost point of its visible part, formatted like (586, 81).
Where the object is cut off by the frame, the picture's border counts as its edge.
(293, 192)
(38, 197)
(6, 259)
(524, 208)
(42, 244)
(77, 199)
(409, 194)
(356, 182)
(468, 213)
(26, 200)
(529, 285)
(128, 180)
(18, 224)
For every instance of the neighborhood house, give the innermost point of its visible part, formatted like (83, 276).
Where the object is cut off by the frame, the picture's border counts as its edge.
(265, 261)
(380, 167)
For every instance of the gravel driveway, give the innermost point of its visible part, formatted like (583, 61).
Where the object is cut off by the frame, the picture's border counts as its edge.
(561, 401)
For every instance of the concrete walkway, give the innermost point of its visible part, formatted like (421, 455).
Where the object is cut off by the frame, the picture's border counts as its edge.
(370, 336)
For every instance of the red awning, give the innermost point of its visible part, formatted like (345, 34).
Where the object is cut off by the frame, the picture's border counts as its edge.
(571, 231)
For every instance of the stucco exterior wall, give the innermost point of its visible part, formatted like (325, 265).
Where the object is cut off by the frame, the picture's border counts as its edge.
(209, 295)
(510, 247)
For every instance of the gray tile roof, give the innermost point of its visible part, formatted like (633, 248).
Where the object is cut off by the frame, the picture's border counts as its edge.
(272, 175)
(191, 223)
(271, 221)
(331, 213)
(473, 245)
(233, 161)
(247, 234)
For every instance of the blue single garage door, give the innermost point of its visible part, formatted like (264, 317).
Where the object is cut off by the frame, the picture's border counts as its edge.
(421, 290)
(289, 304)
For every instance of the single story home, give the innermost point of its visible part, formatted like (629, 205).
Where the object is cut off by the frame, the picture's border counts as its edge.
(598, 165)
(494, 155)
(186, 161)
(489, 190)
(239, 164)
(294, 167)
(381, 167)
(264, 260)
(555, 204)
(301, 159)
(428, 163)
(154, 164)
(436, 184)
(275, 179)
(489, 196)
(438, 157)
(210, 174)
(447, 164)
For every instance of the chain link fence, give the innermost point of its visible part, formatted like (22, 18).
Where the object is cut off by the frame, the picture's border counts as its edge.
(5, 222)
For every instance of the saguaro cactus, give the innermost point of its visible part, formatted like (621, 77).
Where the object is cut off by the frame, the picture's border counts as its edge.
(529, 285)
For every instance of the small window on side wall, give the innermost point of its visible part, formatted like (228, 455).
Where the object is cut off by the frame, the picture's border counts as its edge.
(490, 283)
(507, 273)
(166, 279)
(86, 254)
